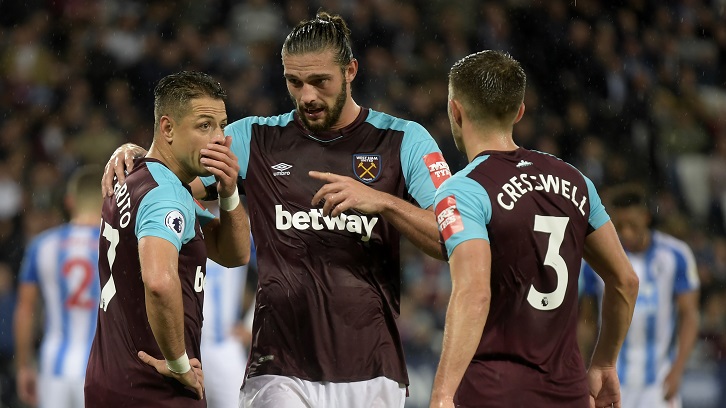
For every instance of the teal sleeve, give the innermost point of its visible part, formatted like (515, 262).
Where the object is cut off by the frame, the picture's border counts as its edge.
(463, 210)
(241, 133)
(160, 215)
(423, 165)
(598, 215)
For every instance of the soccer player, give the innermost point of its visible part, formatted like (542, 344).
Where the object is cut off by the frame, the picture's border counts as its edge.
(331, 187)
(515, 224)
(665, 322)
(60, 269)
(154, 244)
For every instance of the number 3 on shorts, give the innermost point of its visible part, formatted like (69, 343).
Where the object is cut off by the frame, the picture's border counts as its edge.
(555, 226)
(109, 289)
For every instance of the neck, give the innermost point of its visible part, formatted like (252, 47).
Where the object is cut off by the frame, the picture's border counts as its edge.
(477, 140)
(348, 115)
(162, 152)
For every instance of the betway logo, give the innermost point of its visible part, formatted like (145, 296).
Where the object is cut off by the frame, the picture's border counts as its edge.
(301, 220)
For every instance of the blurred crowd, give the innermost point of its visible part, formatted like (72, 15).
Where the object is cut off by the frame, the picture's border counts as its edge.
(626, 90)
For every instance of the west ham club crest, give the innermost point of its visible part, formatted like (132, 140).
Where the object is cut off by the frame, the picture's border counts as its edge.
(367, 167)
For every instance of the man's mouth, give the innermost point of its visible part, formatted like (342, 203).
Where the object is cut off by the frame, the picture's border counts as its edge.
(314, 113)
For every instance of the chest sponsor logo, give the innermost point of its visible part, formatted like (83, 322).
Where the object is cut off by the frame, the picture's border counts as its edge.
(438, 168)
(367, 167)
(281, 169)
(313, 218)
(174, 220)
(448, 217)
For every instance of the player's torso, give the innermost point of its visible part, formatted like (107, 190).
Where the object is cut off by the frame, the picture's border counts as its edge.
(123, 323)
(539, 219)
(317, 272)
(66, 261)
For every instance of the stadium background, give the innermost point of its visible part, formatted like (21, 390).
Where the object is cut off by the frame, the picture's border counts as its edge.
(627, 90)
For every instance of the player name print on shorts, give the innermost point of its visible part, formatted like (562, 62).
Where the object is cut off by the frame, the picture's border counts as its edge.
(367, 167)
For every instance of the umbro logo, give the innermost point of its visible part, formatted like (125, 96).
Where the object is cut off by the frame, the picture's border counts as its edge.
(282, 169)
(524, 163)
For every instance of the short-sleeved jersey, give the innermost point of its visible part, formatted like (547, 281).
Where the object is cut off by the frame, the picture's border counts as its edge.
(62, 263)
(329, 287)
(536, 211)
(665, 270)
(152, 202)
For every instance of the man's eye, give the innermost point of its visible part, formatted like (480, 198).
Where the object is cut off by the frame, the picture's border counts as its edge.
(205, 125)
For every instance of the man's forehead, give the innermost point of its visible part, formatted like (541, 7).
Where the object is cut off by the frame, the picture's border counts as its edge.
(311, 63)
(207, 106)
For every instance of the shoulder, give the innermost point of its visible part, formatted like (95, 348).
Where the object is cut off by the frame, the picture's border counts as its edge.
(168, 186)
(671, 243)
(244, 124)
(47, 236)
(382, 120)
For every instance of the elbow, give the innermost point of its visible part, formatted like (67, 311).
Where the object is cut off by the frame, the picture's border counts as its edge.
(160, 286)
(631, 284)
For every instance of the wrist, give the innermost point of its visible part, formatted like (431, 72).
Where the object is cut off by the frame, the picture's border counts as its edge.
(180, 365)
(229, 203)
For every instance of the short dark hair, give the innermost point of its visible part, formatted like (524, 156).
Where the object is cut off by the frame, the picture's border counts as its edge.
(173, 93)
(488, 84)
(323, 32)
(626, 196)
(84, 187)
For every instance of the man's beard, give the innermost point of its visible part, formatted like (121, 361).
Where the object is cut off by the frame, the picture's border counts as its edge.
(331, 115)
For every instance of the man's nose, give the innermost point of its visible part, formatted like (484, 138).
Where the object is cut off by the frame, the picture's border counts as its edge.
(308, 94)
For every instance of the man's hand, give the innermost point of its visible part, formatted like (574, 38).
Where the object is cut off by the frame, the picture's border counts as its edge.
(342, 193)
(604, 387)
(193, 379)
(26, 384)
(121, 160)
(672, 384)
(223, 164)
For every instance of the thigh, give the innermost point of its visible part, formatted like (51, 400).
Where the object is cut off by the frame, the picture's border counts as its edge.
(272, 391)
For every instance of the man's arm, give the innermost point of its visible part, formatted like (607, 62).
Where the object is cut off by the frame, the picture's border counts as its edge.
(606, 256)
(159, 261)
(465, 317)
(227, 238)
(688, 319)
(24, 324)
(342, 193)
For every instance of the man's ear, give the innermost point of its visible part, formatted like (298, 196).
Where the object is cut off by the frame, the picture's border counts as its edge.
(166, 128)
(351, 70)
(520, 113)
(457, 112)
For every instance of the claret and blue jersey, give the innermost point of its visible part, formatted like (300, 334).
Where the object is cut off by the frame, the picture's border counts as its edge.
(329, 287)
(535, 211)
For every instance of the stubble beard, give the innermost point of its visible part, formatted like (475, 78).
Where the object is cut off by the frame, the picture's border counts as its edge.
(332, 115)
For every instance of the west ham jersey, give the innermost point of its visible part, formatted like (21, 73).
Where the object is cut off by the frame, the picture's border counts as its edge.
(665, 270)
(62, 262)
(536, 211)
(329, 287)
(153, 202)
